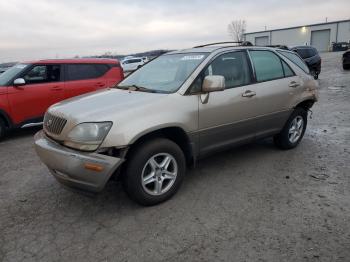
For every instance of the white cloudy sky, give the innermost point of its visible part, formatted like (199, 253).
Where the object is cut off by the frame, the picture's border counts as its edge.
(33, 29)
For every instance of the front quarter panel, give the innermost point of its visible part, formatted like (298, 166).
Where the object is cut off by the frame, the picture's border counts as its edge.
(173, 110)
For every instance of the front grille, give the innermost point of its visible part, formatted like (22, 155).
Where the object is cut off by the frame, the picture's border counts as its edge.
(54, 124)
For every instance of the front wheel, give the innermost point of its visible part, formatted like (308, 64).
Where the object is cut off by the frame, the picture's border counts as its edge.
(293, 131)
(154, 171)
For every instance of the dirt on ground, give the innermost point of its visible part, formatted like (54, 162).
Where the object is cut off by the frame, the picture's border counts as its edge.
(251, 203)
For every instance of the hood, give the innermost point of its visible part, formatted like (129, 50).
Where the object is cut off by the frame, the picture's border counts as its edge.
(103, 105)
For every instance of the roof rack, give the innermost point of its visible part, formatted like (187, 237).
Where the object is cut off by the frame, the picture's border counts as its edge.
(240, 43)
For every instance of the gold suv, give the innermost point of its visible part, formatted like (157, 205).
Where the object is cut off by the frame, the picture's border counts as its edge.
(172, 111)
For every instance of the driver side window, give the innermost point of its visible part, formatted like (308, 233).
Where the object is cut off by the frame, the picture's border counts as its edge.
(43, 74)
(233, 67)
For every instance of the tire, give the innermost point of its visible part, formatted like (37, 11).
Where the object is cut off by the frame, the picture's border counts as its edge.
(314, 73)
(2, 129)
(292, 132)
(146, 180)
(346, 67)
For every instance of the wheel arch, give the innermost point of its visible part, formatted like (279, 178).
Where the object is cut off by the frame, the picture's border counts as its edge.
(5, 117)
(306, 104)
(173, 133)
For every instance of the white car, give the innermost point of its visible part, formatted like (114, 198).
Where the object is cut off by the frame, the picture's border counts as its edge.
(134, 63)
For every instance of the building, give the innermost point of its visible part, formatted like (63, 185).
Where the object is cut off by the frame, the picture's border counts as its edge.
(320, 35)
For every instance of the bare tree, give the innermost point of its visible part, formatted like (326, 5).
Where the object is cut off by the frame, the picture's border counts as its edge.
(236, 29)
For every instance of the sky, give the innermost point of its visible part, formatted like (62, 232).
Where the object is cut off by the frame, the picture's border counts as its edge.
(37, 29)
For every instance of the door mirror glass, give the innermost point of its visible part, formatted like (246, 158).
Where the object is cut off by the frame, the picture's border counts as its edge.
(213, 83)
(19, 82)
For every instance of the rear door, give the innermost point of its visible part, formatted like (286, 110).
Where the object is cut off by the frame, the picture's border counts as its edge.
(43, 88)
(276, 85)
(84, 78)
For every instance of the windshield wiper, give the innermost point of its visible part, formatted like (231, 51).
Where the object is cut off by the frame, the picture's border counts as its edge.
(136, 88)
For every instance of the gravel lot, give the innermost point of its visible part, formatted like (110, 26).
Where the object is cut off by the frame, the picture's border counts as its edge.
(252, 203)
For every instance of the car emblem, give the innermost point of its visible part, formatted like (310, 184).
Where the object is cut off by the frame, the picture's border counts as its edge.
(49, 123)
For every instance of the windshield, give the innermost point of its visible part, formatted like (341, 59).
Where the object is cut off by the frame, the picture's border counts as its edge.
(11, 73)
(164, 74)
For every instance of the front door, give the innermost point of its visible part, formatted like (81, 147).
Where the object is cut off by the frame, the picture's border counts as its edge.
(43, 88)
(228, 117)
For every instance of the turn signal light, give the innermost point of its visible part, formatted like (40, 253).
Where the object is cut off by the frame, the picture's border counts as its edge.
(93, 167)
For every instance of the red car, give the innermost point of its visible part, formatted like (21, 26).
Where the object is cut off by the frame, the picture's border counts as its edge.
(28, 89)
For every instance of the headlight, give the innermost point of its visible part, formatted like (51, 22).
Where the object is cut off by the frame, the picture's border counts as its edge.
(88, 136)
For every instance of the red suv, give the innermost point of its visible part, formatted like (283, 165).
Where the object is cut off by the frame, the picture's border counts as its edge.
(28, 89)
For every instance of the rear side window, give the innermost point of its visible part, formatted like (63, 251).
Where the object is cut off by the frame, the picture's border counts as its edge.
(287, 70)
(306, 52)
(267, 65)
(295, 59)
(134, 61)
(85, 71)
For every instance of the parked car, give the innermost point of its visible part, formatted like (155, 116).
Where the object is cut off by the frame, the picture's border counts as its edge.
(346, 60)
(28, 89)
(174, 110)
(311, 58)
(133, 63)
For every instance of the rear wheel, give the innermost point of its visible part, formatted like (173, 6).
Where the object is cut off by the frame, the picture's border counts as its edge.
(154, 171)
(2, 129)
(293, 131)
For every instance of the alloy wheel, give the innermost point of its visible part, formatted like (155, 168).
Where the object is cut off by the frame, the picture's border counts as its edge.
(159, 174)
(296, 129)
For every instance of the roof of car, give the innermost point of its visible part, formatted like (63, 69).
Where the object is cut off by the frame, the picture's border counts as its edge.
(76, 61)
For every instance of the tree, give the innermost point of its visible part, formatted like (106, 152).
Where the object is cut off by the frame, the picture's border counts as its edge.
(236, 29)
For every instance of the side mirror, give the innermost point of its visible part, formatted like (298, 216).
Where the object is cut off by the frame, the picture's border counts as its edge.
(19, 82)
(213, 83)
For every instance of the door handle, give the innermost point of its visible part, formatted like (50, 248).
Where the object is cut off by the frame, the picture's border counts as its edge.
(100, 84)
(294, 84)
(56, 88)
(248, 93)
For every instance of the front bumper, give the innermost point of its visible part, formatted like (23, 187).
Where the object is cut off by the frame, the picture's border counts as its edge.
(71, 168)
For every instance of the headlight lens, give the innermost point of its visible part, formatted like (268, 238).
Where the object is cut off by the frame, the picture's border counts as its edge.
(88, 136)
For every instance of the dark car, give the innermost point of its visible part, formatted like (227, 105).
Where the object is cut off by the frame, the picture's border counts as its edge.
(311, 57)
(346, 60)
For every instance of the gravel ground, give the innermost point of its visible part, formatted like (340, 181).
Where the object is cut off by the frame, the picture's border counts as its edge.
(252, 203)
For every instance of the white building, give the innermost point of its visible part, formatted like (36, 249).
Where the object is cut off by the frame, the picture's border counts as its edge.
(320, 35)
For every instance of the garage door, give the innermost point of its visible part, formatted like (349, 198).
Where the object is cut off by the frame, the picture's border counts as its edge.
(262, 41)
(321, 39)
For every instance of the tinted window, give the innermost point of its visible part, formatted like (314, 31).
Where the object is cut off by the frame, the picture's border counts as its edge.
(233, 66)
(295, 59)
(267, 65)
(306, 52)
(85, 71)
(287, 70)
(134, 61)
(43, 74)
